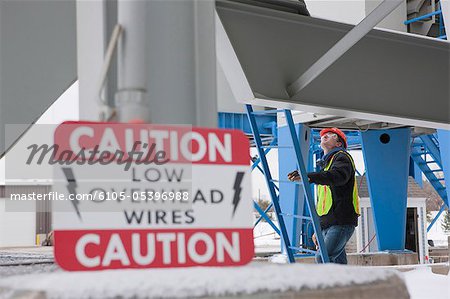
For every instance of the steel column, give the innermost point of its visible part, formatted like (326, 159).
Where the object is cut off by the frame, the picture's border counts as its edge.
(386, 155)
(415, 172)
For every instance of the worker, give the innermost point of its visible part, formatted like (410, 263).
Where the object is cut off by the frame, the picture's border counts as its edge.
(338, 201)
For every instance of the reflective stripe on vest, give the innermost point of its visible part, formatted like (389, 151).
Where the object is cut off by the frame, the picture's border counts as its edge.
(325, 199)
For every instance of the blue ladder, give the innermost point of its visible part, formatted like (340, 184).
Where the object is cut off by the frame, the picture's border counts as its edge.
(421, 151)
(262, 151)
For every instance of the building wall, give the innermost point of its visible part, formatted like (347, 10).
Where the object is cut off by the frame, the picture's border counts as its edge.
(16, 228)
(366, 228)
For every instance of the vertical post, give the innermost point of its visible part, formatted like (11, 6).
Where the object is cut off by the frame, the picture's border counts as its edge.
(131, 98)
(91, 46)
(386, 155)
(415, 172)
(181, 62)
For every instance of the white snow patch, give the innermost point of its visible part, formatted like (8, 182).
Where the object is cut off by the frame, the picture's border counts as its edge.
(279, 259)
(194, 282)
(422, 284)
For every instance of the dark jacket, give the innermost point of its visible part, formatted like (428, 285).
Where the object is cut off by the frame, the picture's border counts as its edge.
(341, 179)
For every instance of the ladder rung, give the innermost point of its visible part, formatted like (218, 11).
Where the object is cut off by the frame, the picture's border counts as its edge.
(434, 180)
(297, 216)
(285, 181)
(266, 112)
(275, 146)
(302, 249)
(433, 170)
(301, 255)
(426, 163)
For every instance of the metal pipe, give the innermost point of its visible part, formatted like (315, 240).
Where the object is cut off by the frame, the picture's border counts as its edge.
(131, 98)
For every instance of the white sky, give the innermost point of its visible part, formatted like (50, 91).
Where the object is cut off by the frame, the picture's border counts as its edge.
(65, 108)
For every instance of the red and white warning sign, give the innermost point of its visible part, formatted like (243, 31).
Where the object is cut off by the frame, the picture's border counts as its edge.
(140, 196)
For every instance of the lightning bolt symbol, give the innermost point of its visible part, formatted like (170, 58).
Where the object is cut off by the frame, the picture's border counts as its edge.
(72, 188)
(237, 190)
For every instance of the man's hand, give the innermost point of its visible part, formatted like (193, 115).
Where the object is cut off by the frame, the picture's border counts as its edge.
(314, 239)
(294, 176)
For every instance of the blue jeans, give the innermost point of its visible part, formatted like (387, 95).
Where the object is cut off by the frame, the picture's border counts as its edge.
(335, 238)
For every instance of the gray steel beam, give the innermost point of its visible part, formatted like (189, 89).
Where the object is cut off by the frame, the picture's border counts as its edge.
(387, 76)
(343, 45)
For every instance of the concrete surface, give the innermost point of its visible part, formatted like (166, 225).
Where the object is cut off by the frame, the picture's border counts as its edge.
(364, 259)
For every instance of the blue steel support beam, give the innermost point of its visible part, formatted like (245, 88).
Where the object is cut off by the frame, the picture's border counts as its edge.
(264, 215)
(442, 209)
(415, 172)
(290, 195)
(307, 186)
(432, 148)
(229, 120)
(444, 146)
(307, 228)
(386, 155)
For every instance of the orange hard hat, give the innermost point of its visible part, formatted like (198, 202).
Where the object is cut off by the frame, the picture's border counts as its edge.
(337, 132)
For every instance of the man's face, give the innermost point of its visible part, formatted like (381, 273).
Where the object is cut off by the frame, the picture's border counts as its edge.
(329, 141)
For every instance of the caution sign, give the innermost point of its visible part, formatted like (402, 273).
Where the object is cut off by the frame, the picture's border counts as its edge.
(141, 196)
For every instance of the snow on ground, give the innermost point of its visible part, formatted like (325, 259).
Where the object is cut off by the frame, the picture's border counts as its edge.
(7, 271)
(423, 284)
(436, 233)
(266, 240)
(193, 282)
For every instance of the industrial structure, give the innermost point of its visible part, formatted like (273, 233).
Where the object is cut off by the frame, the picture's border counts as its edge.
(306, 73)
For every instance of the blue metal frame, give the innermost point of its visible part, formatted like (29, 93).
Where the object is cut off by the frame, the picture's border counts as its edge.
(229, 120)
(426, 16)
(444, 146)
(269, 181)
(387, 169)
(422, 147)
(420, 153)
(442, 209)
(438, 13)
(262, 151)
(306, 189)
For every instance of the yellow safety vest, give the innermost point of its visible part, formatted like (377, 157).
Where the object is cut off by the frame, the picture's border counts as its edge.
(325, 198)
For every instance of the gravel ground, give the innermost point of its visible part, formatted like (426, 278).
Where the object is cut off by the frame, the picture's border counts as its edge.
(29, 260)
